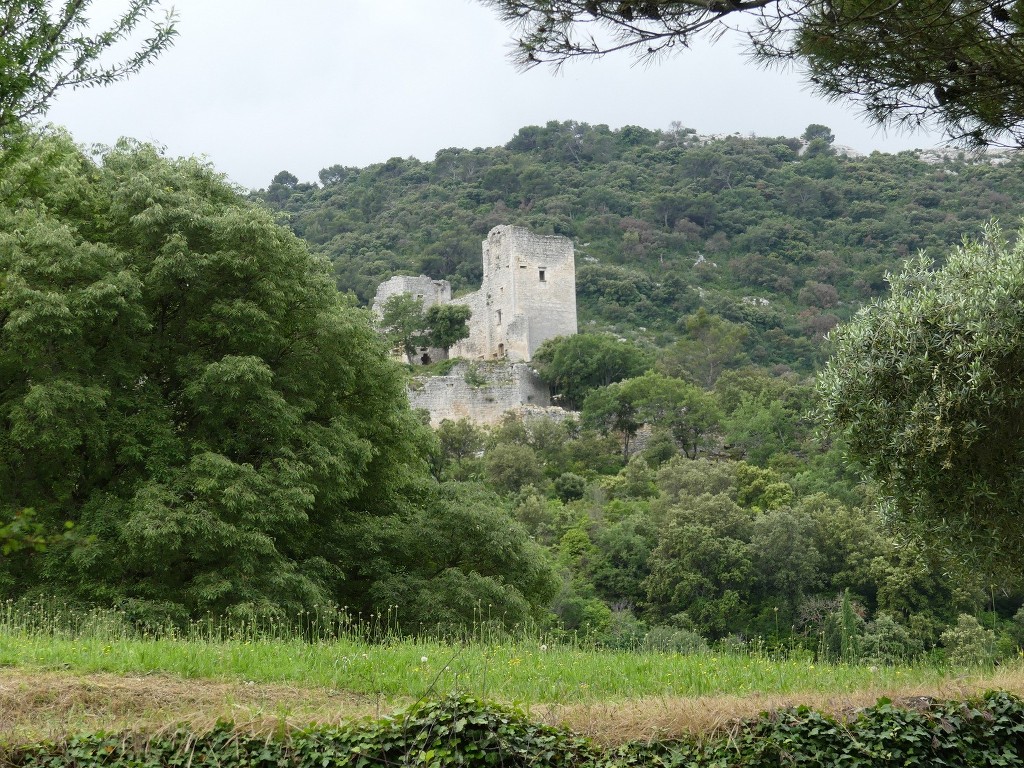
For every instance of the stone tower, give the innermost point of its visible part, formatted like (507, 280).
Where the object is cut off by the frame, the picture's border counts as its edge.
(528, 295)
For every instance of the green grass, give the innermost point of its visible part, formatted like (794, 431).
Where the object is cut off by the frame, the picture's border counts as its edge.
(520, 672)
(524, 667)
(72, 672)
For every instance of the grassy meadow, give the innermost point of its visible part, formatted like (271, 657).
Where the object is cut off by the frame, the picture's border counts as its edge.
(520, 672)
(65, 672)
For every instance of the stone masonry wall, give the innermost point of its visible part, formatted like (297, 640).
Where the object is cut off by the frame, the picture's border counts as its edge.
(481, 392)
(431, 291)
(479, 339)
(544, 293)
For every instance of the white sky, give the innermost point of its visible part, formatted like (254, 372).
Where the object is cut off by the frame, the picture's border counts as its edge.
(258, 86)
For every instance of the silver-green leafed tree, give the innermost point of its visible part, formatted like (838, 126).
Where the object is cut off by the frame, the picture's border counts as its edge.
(180, 379)
(926, 388)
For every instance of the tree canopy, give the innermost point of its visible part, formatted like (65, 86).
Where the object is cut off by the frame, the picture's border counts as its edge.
(446, 324)
(925, 387)
(180, 378)
(654, 399)
(401, 321)
(46, 47)
(406, 325)
(956, 64)
(575, 365)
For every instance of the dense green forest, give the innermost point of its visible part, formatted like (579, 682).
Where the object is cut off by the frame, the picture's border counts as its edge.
(688, 498)
(197, 420)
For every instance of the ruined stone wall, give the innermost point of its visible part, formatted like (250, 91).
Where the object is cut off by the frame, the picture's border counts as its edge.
(475, 346)
(481, 392)
(422, 287)
(430, 291)
(499, 284)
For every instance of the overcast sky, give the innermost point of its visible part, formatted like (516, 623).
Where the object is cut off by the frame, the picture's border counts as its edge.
(258, 86)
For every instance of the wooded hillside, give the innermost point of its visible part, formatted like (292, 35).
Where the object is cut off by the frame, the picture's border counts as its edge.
(709, 271)
(783, 235)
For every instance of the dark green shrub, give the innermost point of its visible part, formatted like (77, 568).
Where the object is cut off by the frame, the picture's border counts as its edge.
(570, 486)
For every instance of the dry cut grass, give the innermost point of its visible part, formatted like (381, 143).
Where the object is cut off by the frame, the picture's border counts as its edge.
(650, 718)
(51, 705)
(37, 706)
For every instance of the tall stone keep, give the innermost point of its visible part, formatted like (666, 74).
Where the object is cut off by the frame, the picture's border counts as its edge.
(528, 295)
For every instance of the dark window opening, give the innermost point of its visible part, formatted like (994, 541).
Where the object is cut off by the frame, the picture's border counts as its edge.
(542, 276)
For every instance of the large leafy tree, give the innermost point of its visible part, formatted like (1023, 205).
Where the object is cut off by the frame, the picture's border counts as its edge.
(702, 565)
(575, 365)
(49, 46)
(406, 324)
(657, 400)
(447, 324)
(180, 378)
(925, 385)
(453, 556)
(957, 63)
(402, 324)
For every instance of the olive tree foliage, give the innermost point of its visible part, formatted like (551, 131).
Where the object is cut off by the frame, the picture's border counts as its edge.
(49, 46)
(926, 387)
(957, 64)
(180, 379)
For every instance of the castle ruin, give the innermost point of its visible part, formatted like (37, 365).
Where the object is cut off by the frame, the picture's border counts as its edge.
(430, 291)
(527, 296)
